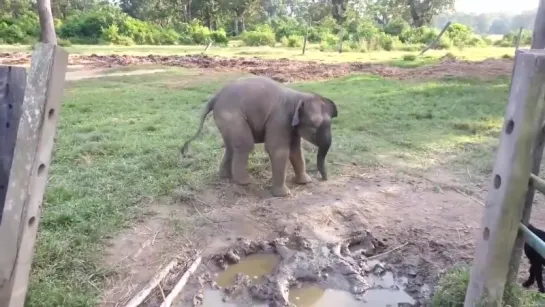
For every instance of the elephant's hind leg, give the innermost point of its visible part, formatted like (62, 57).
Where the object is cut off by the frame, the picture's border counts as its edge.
(227, 161)
(298, 162)
(239, 142)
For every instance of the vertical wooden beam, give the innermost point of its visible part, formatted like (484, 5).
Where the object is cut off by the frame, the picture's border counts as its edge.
(12, 91)
(509, 183)
(538, 42)
(29, 169)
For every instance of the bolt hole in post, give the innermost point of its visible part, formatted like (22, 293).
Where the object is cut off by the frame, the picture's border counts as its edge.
(510, 126)
(497, 181)
(31, 221)
(51, 113)
(41, 169)
(486, 233)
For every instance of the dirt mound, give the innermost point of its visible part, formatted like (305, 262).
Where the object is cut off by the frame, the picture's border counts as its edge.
(285, 70)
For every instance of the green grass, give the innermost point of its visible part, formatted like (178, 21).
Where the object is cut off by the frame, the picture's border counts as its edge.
(452, 287)
(312, 54)
(118, 141)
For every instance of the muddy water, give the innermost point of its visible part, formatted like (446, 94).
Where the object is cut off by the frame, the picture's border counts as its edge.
(385, 292)
(255, 266)
(214, 298)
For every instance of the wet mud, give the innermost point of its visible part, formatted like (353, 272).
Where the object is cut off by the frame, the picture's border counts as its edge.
(292, 270)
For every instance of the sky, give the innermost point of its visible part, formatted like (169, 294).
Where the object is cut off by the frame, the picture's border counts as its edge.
(483, 6)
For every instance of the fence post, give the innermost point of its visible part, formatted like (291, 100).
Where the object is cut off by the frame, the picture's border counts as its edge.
(30, 159)
(538, 42)
(509, 184)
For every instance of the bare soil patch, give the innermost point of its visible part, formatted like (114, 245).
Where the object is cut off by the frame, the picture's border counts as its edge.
(431, 217)
(285, 70)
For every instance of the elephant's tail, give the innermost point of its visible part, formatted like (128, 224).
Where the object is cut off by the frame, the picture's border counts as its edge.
(209, 106)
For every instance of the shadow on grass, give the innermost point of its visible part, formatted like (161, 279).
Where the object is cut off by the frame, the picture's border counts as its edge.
(118, 142)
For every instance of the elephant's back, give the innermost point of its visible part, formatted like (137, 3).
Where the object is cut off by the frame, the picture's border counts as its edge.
(250, 90)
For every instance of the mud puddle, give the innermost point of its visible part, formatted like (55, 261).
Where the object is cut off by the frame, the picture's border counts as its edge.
(255, 266)
(297, 271)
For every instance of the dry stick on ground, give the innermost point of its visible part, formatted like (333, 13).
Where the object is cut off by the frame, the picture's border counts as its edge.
(143, 294)
(181, 283)
(436, 39)
(386, 253)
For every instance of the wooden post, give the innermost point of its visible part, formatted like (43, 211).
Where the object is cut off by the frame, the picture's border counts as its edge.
(434, 42)
(509, 184)
(306, 34)
(538, 42)
(39, 114)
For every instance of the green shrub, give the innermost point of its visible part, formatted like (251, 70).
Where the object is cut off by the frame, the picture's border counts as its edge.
(330, 39)
(422, 35)
(444, 43)
(111, 35)
(388, 42)
(200, 34)
(356, 46)
(396, 27)
(257, 38)
(295, 41)
(12, 34)
(284, 41)
(219, 37)
(409, 57)
(285, 27)
(314, 35)
(459, 34)
(64, 42)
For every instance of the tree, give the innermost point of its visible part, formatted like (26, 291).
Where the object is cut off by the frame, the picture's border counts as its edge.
(46, 22)
(423, 11)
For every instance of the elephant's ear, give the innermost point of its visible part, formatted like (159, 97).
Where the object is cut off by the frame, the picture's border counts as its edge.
(330, 107)
(295, 119)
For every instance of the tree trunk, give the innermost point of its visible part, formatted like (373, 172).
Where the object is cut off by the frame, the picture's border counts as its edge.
(47, 26)
(243, 25)
(236, 26)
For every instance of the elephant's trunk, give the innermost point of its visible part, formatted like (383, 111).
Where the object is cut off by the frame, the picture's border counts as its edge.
(323, 141)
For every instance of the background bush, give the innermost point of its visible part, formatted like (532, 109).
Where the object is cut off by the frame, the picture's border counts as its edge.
(259, 38)
(108, 24)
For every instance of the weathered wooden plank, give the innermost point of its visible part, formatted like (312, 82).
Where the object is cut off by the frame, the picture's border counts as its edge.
(509, 182)
(29, 170)
(538, 43)
(12, 90)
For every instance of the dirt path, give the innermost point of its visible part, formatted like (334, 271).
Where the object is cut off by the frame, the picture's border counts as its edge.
(434, 217)
(285, 70)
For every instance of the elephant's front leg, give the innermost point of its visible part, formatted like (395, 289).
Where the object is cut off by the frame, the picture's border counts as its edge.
(278, 149)
(298, 161)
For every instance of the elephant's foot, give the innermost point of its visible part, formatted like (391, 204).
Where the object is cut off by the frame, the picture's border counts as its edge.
(242, 179)
(303, 178)
(281, 191)
(224, 173)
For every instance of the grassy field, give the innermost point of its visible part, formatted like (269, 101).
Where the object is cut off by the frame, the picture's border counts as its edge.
(118, 142)
(313, 53)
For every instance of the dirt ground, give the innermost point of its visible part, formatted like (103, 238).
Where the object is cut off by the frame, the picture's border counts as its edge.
(285, 70)
(431, 217)
(428, 219)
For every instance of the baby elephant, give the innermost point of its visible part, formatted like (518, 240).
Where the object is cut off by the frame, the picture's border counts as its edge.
(536, 261)
(256, 109)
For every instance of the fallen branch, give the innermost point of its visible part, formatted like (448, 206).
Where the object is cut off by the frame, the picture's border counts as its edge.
(181, 283)
(143, 294)
(386, 253)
